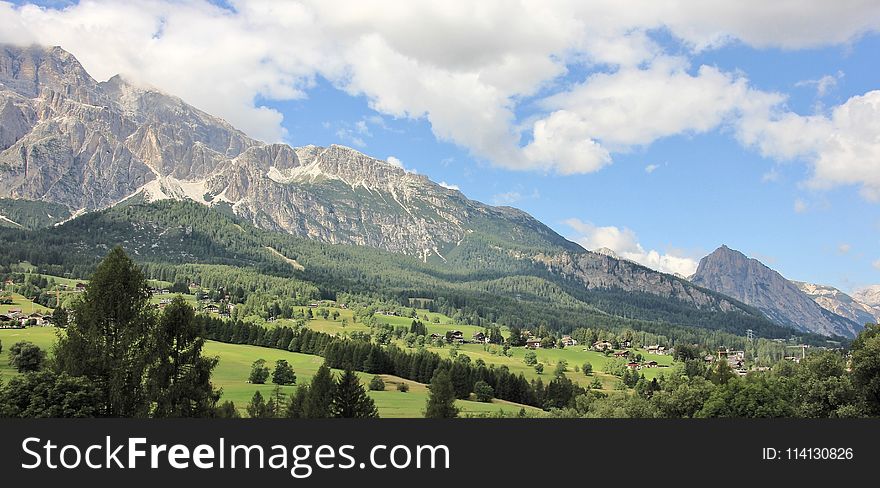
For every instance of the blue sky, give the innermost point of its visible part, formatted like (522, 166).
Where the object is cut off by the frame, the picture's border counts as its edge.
(659, 133)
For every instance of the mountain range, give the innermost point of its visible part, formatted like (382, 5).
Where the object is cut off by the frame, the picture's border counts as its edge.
(72, 146)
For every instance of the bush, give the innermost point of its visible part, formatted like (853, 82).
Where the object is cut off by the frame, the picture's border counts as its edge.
(376, 384)
(402, 387)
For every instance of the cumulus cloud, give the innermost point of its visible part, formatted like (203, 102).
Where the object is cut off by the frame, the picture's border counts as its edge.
(842, 148)
(393, 161)
(625, 244)
(465, 67)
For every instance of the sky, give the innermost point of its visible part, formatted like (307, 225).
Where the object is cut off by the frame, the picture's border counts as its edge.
(660, 129)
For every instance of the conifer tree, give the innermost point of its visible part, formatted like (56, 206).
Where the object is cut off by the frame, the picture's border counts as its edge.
(320, 400)
(108, 340)
(441, 401)
(350, 400)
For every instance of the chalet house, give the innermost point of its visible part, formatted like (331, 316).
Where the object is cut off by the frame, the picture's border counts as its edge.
(621, 354)
(80, 287)
(480, 337)
(568, 341)
(38, 318)
(626, 344)
(455, 336)
(602, 346)
(533, 343)
(632, 365)
(8, 282)
(212, 308)
(650, 364)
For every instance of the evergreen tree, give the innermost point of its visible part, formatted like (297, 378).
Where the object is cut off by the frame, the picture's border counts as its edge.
(350, 400)
(257, 408)
(441, 401)
(283, 373)
(296, 406)
(227, 411)
(109, 338)
(319, 404)
(179, 379)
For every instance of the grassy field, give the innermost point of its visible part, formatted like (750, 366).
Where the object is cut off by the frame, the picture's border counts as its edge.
(41, 336)
(235, 363)
(25, 305)
(575, 356)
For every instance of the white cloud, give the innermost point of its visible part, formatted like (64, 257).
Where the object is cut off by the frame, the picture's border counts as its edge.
(393, 161)
(842, 148)
(823, 84)
(651, 168)
(448, 186)
(800, 206)
(876, 264)
(625, 244)
(462, 66)
(844, 248)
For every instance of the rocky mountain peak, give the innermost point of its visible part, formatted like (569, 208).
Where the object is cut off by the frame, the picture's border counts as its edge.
(733, 273)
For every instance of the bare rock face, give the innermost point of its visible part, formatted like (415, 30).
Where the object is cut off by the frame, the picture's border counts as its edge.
(840, 303)
(730, 272)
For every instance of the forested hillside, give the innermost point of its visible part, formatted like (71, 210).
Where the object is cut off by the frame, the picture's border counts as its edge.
(483, 280)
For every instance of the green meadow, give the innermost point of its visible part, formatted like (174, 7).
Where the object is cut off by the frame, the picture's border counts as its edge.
(235, 363)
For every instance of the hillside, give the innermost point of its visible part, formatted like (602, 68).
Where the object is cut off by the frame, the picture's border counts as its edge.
(178, 239)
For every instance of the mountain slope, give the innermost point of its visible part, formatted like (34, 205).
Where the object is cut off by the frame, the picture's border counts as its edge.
(840, 303)
(748, 280)
(69, 140)
(489, 285)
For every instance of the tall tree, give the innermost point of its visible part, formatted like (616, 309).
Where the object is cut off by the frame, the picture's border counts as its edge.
(179, 378)
(441, 401)
(320, 400)
(109, 337)
(257, 408)
(296, 406)
(350, 400)
(283, 373)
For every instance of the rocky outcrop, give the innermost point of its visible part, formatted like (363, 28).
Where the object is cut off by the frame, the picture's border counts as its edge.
(840, 303)
(748, 280)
